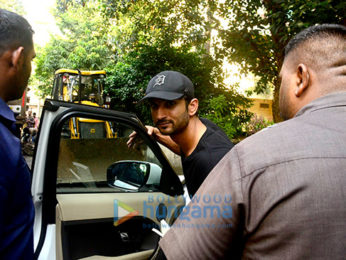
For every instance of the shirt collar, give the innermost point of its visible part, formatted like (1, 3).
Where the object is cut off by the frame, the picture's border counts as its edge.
(6, 112)
(331, 100)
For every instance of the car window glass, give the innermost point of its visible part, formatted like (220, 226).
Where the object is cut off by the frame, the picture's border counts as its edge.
(94, 157)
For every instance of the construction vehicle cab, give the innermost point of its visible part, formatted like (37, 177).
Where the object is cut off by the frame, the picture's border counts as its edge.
(83, 87)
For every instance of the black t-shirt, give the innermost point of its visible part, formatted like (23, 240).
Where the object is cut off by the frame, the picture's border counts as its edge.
(212, 146)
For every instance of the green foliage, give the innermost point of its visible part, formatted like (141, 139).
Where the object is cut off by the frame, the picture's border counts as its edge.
(184, 23)
(127, 79)
(13, 6)
(251, 33)
(83, 45)
(175, 35)
(257, 32)
(126, 85)
(256, 124)
(227, 115)
(62, 6)
(134, 40)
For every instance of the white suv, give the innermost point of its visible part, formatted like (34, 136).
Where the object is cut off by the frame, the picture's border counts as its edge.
(94, 197)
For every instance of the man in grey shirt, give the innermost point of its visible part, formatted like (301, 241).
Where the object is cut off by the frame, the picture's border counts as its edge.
(282, 194)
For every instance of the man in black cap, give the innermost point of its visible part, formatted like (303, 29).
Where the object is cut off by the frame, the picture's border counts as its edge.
(200, 142)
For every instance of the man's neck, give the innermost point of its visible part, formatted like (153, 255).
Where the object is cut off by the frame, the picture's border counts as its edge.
(189, 138)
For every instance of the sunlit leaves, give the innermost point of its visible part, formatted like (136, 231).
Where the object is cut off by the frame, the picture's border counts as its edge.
(85, 43)
(13, 6)
(259, 31)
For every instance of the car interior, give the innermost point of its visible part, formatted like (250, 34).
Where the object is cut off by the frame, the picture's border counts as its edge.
(97, 218)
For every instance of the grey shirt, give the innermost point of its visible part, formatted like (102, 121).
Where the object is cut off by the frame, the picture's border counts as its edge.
(282, 194)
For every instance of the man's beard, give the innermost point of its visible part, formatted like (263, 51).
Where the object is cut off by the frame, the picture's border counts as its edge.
(176, 127)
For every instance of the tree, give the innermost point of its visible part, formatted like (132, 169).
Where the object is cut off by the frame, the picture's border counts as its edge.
(252, 33)
(133, 44)
(13, 6)
(128, 78)
(177, 35)
(257, 32)
(84, 44)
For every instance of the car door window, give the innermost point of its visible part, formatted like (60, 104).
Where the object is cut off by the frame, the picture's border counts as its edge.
(98, 196)
(94, 157)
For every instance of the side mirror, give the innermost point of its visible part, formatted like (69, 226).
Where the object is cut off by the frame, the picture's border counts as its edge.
(132, 175)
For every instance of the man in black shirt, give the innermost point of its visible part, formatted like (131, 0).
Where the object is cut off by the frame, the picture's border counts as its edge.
(200, 142)
(212, 146)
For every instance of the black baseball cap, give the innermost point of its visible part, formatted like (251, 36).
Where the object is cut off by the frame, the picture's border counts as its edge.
(169, 85)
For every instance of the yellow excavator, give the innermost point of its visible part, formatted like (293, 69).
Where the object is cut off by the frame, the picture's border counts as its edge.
(84, 87)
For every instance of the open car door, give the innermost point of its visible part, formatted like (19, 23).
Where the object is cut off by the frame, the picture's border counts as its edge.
(94, 197)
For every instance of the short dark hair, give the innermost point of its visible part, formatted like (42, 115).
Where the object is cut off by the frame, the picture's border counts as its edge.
(323, 31)
(187, 99)
(15, 31)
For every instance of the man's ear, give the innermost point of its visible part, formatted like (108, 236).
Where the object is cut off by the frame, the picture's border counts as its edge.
(193, 107)
(303, 79)
(17, 56)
